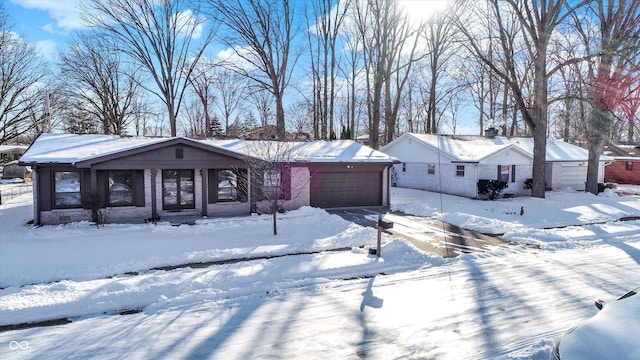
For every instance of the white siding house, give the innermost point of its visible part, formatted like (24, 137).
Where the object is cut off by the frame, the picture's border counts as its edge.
(454, 164)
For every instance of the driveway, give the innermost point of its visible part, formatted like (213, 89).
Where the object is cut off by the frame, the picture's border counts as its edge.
(425, 233)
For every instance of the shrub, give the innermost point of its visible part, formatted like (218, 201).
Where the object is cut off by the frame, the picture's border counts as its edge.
(491, 187)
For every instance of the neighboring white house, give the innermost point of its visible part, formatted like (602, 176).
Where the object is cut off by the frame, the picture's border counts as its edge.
(453, 164)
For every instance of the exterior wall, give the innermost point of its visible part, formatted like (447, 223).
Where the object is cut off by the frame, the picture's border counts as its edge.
(415, 176)
(300, 191)
(617, 172)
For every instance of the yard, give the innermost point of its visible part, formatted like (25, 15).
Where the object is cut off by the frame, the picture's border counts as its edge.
(297, 299)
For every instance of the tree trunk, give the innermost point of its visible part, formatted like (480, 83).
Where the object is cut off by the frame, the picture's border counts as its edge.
(595, 149)
(540, 120)
(275, 223)
(280, 129)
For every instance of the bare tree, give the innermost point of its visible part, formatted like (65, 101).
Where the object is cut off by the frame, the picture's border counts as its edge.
(440, 44)
(328, 17)
(613, 73)
(158, 35)
(22, 72)
(298, 119)
(270, 165)
(230, 90)
(261, 33)
(100, 82)
(201, 82)
(538, 21)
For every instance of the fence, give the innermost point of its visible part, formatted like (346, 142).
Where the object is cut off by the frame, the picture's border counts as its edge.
(10, 192)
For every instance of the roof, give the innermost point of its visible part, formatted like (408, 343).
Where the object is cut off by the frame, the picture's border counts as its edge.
(72, 149)
(468, 148)
(10, 148)
(622, 151)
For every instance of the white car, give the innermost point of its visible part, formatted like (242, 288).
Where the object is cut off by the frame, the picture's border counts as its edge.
(613, 333)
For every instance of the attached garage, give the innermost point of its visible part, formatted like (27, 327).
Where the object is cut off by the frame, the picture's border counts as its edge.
(347, 185)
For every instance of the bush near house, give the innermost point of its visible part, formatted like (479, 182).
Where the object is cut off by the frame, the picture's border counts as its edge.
(492, 188)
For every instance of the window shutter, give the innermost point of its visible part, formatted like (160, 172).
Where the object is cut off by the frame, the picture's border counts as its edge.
(212, 186)
(513, 173)
(138, 178)
(285, 179)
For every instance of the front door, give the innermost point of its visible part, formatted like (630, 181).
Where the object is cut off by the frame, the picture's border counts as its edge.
(177, 190)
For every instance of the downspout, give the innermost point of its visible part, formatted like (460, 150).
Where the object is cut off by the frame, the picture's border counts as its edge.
(476, 182)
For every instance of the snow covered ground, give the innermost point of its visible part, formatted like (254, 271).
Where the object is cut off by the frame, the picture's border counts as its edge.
(509, 303)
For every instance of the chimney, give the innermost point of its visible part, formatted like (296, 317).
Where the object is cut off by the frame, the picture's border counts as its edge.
(491, 132)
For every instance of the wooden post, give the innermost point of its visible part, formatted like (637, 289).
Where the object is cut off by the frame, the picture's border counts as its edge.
(379, 247)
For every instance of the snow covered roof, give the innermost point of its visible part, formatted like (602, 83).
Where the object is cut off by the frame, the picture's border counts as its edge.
(622, 151)
(476, 148)
(314, 151)
(70, 149)
(8, 148)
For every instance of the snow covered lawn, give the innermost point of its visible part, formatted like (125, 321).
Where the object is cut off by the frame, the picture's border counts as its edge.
(509, 303)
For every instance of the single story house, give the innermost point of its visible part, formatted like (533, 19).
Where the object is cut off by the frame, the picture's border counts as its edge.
(454, 164)
(625, 166)
(10, 153)
(150, 178)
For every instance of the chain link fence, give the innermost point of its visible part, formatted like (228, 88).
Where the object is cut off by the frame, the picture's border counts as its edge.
(9, 192)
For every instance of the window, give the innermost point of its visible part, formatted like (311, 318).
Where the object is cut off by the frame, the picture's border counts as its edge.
(404, 167)
(67, 189)
(629, 165)
(121, 186)
(513, 173)
(227, 186)
(503, 173)
(431, 169)
(272, 182)
(459, 170)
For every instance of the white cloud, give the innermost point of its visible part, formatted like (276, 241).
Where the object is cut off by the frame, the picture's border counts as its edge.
(64, 12)
(185, 21)
(46, 49)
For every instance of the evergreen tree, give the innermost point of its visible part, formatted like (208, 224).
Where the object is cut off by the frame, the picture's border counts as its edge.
(215, 128)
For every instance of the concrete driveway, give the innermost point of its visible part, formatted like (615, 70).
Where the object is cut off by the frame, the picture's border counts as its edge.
(425, 233)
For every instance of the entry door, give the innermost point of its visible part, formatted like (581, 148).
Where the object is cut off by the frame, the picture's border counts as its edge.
(177, 190)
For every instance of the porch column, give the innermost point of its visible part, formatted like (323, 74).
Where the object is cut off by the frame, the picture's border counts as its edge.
(204, 175)
(154, 201)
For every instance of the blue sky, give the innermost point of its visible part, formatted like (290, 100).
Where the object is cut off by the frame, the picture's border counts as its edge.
(44, 23)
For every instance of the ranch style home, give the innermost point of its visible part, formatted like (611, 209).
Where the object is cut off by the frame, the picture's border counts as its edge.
(454, 164)
(138, 178)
